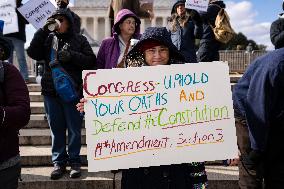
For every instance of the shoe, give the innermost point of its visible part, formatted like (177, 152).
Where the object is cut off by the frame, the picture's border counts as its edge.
(75, 171)
(58, 172)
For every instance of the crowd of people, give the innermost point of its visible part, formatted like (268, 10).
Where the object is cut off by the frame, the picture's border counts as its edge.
(257, 96)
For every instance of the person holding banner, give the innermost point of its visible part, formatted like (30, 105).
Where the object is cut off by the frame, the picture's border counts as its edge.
(259, 115)
(185, 26)
(14, 114)
(156, 48)
(113, 50)
(74, 54)
(63, 4)
(18, 39)
(209, 47)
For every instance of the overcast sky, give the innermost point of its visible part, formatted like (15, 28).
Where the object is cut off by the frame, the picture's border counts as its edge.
(253, 18)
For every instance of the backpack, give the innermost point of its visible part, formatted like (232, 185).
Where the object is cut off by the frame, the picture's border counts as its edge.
(63, 83)
(223, 30)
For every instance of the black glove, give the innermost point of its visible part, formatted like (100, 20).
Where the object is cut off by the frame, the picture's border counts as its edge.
(195, 16)
(48, 22)
(64, 56)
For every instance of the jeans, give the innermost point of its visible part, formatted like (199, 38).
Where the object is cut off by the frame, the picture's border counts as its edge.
(9, 177)
(20, 52)
(62, 116)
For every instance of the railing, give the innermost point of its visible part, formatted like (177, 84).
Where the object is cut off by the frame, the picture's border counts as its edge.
(237, 60)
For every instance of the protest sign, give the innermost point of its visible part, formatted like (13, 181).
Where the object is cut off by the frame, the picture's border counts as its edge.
(199, 5)
(37, 12)
(9, 16)
(158, 115)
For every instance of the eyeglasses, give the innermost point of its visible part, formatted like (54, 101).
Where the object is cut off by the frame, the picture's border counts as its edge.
(129, 22)
(160, 50)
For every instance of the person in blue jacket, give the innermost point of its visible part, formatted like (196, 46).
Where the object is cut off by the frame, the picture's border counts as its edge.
(185, 26)
(259, 112)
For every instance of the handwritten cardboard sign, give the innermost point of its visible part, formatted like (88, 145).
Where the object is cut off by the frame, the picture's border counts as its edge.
(9, 16)
(200, 5)
(158, 115)
(37, 12)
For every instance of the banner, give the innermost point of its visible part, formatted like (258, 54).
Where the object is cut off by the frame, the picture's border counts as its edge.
(199, 5)
(37, 12)
(158, 115)
(9, 16)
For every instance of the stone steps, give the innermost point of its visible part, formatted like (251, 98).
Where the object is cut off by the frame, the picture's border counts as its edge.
(38, 178)
(39, 137)
(41, 155)
(37, 108)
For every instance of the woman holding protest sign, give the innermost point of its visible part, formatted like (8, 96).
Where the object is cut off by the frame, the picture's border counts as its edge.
(114, 49)
(155, 48)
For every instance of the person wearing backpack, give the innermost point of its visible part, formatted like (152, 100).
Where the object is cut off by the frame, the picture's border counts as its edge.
(209, 47)
(14, 114)
(70, 57)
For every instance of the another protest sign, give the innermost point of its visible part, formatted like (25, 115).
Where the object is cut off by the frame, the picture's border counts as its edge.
(37, 12)
(9, 16)
(158, 115)
(200, 5)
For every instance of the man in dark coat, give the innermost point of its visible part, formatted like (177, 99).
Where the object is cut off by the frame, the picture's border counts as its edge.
(14, 115)
(74, 55)
(209, 47)
(259, 113)
(18, 39)
(277, 31)
(63, 4)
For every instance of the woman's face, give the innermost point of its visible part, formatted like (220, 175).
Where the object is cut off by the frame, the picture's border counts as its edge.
(64, 24)
(158, 55)
(127, 27)
(181, 9)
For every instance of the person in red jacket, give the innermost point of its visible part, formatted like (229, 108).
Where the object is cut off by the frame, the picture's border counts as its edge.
(14, 115)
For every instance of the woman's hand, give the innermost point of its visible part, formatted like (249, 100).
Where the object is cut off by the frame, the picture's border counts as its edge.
(80, 105)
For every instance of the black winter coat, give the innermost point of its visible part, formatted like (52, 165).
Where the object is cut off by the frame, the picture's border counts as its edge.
(15, 101)
(209, 47)
(82, 56)
(277, 33)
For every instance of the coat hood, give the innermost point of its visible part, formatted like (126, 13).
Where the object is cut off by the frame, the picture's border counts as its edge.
(159, 34)
(67, 14)
(174, 8)
(5, 43)
(219, 3)
(121, 16)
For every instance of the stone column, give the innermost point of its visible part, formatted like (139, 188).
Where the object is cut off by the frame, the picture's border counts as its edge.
(84, 22)
(142, 26)
(153, 22)
(96, 27)
(107, 27)
(165, 21)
